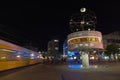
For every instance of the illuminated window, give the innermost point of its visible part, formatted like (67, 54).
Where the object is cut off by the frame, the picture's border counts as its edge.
(55, 40)
(56, 48)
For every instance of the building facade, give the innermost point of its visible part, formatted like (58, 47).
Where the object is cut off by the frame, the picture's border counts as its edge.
(112, 38)
(53, 47)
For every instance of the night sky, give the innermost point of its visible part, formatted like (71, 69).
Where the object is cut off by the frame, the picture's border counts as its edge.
(36, 23)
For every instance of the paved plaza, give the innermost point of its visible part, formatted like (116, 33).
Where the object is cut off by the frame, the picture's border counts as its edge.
(96, 71)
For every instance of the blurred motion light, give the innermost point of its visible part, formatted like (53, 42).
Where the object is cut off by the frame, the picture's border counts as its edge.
(18, 56)
(32, 54)
(56, 48)
(3, 57)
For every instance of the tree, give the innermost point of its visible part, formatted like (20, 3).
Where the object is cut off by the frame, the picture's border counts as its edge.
(112, 49)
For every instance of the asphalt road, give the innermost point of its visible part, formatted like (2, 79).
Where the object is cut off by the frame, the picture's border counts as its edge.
(103, 71)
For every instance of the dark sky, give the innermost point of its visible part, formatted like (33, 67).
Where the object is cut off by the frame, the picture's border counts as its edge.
(38, 22)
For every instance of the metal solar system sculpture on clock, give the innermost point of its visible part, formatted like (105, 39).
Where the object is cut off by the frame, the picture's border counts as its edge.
(84, 20)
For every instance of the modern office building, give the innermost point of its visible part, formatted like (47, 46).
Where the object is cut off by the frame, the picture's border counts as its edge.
(111, 38)
(53, 47)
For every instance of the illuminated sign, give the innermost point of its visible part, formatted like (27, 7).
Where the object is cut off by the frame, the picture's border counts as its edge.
(85, 39)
